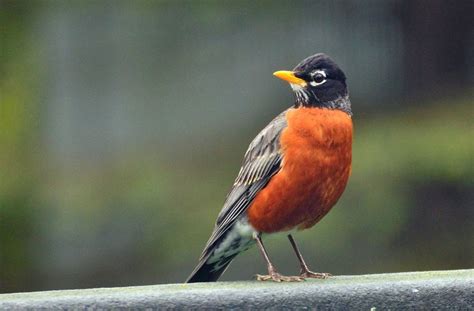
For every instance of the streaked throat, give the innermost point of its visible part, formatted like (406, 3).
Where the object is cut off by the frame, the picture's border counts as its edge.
(302, 96)
(307, 98)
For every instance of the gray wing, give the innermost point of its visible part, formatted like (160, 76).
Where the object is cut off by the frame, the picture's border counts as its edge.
(261, 161)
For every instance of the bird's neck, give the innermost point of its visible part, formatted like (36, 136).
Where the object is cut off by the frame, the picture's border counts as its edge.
(309, 99)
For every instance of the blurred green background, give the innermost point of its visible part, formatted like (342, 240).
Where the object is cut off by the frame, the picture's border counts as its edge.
(123, 124)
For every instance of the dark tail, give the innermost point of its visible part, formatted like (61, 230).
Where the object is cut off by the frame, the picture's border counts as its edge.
(208, 272)
(217, 256)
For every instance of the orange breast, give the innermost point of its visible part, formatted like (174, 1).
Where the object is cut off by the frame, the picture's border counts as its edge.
(317, 153)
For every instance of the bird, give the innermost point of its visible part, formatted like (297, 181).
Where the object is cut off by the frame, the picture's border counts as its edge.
(293, 172)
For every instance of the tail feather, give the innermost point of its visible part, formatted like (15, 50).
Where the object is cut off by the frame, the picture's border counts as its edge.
(218, 255)
(208, 272)
(213, 264)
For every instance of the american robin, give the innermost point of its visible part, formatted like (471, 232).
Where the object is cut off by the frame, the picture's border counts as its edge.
(292, 174)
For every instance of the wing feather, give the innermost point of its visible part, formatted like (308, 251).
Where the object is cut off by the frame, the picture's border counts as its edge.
(261, 161)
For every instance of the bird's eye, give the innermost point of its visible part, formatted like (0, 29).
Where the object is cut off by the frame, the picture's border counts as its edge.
(318, 77)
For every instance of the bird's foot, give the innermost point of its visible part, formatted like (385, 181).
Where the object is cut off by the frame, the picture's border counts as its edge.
(277, 277)
(314, 275)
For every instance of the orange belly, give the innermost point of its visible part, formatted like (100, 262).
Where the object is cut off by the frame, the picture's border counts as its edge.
(317, 153)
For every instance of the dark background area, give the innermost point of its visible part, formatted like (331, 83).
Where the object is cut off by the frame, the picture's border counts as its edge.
(123, 124)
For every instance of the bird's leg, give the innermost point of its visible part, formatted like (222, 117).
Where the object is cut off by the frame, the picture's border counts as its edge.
(305, 272)
(272, 273)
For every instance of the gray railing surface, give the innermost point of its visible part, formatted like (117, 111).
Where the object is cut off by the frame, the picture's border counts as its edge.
(439, 290)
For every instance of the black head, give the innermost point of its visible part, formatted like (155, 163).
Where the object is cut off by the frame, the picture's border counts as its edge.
(318, 82)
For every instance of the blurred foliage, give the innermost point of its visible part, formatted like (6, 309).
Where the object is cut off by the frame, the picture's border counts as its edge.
(18, 171)
(141, 213)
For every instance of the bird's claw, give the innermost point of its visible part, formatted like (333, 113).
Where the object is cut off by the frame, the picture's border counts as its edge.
(315, 275)
(277, 277)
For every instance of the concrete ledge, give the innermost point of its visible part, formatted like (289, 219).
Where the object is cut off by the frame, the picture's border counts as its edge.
(440, 290)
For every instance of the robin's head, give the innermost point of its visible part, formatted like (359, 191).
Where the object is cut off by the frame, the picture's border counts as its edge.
(318, 82)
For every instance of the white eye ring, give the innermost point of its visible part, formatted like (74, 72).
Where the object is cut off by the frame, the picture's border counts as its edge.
(314, 83)
(321, 72)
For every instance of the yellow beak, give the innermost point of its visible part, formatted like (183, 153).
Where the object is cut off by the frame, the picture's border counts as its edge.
(290, 77)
